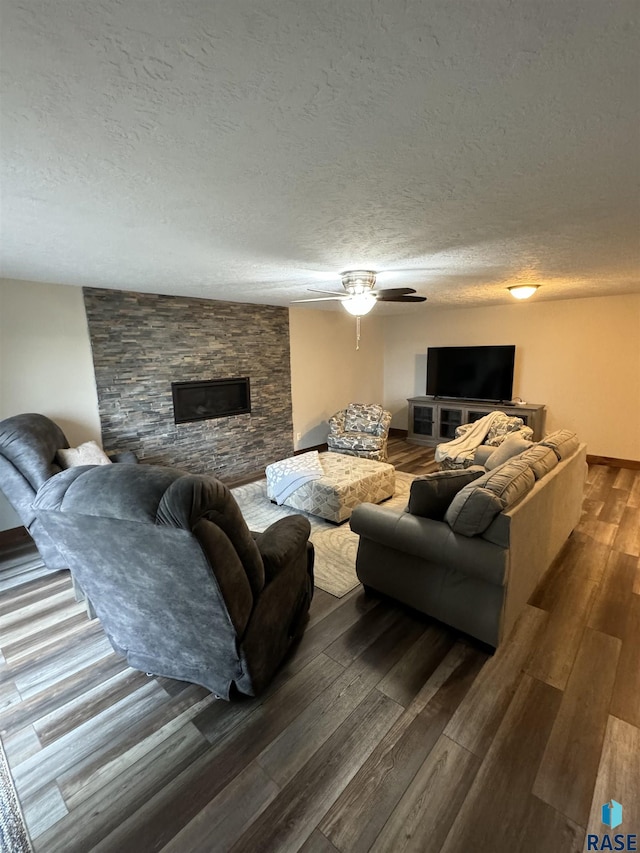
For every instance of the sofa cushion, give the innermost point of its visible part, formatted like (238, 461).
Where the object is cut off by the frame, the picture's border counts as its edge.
(431, 495)
(354, 441)
(474, 507)
(513, 445)
(89, 453)
(362, 418)
(540, 459)
(563, 442)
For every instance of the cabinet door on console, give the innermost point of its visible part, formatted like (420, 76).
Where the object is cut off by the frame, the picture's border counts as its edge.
(423, 420)
(450, 420)
(475, 414)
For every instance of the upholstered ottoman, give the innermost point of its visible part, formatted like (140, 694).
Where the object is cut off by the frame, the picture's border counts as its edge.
(346, 482)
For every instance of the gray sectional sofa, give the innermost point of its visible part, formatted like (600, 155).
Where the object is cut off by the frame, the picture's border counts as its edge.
(472, 545)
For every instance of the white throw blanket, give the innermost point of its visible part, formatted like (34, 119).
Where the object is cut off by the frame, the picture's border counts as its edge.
(284, 477)
(460, 448)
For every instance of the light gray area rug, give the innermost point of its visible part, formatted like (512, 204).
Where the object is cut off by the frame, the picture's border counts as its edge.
(335, 544)
(13, 833)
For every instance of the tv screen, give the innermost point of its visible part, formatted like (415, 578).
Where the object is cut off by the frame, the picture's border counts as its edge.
(474, 373)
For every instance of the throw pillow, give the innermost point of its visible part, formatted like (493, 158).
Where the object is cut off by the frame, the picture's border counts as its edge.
(563, 442)
(513, 445)
(476, 505)
(89, 453)
(431, 495)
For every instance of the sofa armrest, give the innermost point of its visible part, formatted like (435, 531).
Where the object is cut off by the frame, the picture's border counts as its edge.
(336, 423)
(430, 540)
(412, 534)
(281, 542)
(381, 429)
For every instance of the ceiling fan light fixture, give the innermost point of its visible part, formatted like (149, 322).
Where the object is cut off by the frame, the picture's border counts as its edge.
(523, 291)
(358, 281)
(359, 304)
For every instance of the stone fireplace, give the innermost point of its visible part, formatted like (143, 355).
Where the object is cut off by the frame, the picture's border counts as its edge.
(144, 345)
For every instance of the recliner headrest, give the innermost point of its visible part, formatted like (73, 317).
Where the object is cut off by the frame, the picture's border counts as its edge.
(30, 442)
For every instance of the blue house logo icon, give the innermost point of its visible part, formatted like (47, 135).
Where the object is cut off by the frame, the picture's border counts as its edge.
(612, 817)
(612, 814)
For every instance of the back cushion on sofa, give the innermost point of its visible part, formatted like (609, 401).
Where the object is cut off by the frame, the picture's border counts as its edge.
(563, 442)
(474, 507)
(431, 495)
(362, 418)
(541, 460)
(511, 446)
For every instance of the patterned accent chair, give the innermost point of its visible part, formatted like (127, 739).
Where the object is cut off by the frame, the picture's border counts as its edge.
(506, 426)
(360, 430)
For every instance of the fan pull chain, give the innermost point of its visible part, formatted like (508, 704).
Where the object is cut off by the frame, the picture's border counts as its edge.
(357, 333)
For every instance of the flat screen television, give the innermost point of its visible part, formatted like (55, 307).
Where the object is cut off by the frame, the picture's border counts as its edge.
(473, 373)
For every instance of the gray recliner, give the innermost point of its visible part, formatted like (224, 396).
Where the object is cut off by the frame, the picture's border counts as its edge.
(182, 587)
(28, 446)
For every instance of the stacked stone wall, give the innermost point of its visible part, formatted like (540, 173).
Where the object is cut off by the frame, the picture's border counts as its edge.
(143, 342)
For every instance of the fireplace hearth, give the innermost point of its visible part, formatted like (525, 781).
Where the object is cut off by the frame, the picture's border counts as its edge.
(214, 398)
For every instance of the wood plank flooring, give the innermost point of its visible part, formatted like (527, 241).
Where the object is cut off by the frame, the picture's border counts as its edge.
(383, 731)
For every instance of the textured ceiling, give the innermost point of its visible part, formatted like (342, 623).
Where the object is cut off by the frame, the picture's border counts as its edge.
(249, 150)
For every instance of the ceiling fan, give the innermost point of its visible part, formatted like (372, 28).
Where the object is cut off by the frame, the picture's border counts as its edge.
(360, 295)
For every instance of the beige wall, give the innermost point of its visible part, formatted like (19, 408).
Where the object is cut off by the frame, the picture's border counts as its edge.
(45, 361)
(580, 357)
(326, 370)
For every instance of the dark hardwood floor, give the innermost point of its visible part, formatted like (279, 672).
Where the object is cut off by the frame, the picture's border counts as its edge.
(384, 730)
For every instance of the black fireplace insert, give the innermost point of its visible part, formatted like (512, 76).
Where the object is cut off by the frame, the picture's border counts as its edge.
(214, 398)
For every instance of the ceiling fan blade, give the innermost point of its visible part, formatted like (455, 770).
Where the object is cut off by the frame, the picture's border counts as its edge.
(400, 298)
(320, 299)
(329, 292)
(390, 292)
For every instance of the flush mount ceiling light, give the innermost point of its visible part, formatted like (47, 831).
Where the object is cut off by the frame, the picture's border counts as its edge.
(523, 291)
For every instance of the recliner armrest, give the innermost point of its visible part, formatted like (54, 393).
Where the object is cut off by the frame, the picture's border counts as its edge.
(281, 542)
